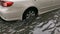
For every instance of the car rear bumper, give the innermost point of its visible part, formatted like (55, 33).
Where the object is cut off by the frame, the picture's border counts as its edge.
(7, 15)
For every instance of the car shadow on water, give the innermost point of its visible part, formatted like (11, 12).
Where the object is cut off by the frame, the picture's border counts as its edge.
(47, 23)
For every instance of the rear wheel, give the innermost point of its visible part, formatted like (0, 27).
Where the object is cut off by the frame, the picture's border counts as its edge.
(30, 13)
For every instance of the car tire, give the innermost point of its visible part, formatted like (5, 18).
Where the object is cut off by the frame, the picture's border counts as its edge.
(30, 12)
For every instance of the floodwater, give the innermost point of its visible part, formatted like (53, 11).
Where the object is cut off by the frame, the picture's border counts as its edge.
(47, 23)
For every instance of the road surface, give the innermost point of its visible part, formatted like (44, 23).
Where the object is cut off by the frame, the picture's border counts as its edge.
(47, 23)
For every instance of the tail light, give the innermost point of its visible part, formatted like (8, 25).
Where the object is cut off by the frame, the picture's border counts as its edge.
(6, 3)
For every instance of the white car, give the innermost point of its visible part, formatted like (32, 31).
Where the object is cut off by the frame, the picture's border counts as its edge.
(23, 9)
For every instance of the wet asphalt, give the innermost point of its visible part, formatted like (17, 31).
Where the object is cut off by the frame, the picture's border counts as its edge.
(47, 23)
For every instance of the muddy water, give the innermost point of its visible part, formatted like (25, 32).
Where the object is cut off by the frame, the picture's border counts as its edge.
(48, 23)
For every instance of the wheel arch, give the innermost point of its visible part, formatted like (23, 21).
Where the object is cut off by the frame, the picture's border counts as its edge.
(29, 8)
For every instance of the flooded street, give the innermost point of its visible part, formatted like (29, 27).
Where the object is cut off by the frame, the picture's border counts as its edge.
(47, 23)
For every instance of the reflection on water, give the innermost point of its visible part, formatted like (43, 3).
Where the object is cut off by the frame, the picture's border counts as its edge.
(48, 23)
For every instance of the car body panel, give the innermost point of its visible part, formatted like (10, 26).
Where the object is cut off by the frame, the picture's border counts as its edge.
(15, 12)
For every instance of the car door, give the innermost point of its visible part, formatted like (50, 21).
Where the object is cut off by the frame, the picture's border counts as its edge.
(56, 2)
(44, 5)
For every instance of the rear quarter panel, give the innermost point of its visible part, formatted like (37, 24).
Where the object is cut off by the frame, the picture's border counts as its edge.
(19, 7)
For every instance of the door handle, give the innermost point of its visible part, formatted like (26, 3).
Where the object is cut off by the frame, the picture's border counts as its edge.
(34, 0)
(52, 1)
